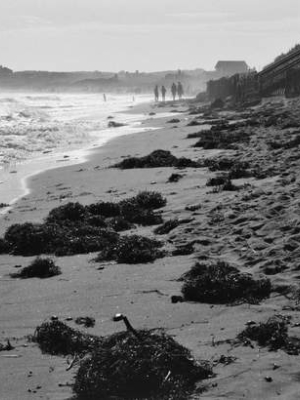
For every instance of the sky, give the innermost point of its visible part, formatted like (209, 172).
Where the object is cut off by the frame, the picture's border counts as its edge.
(144, 35)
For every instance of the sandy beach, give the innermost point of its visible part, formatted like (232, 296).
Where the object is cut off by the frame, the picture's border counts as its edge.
(254, 228)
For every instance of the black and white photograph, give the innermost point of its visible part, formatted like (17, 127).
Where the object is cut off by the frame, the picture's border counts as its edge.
(149, 199)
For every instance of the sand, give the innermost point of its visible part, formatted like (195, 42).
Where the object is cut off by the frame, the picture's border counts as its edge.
(237, 234)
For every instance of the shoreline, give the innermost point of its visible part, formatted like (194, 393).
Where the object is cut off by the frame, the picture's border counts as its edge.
(254, 227)
(17, 186)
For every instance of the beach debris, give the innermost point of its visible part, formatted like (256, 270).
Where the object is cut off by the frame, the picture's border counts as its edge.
(38, 268)
(150, 365)
(7, 346)
(120, 317)
(87, 322)
(222, 139)
(74, 229)
(158, 158)
(272, 334)
(56, 338)
(132, 250)
(221, 283)
(183, 249)
(268, 379)
(174, 178)
(173, 121)
(166, 227)
(222, 182)
(176, 299)
(114, 124)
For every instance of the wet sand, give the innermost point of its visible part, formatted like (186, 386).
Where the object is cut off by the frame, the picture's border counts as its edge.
(242, 227)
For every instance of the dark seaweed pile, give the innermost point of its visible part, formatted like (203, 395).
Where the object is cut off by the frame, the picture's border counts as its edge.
(152, 366)
(57, 338)
(220, 283)
(39, 268)
(74, 228)
(132, 249)
(272, 334)
(158, 158)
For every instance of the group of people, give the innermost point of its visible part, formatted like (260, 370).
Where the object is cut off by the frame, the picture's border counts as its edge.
(176, 90)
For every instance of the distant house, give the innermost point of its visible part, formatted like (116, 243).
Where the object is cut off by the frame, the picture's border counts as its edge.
(229, 68)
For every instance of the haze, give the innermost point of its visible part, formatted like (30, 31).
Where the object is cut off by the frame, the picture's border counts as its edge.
(113, 35)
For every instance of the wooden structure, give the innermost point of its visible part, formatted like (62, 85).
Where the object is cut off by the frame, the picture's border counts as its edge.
(282, 76)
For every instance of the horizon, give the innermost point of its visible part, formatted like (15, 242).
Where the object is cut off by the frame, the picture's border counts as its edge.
(116, 35)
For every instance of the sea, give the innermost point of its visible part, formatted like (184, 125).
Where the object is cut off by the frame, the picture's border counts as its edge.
(44, 131)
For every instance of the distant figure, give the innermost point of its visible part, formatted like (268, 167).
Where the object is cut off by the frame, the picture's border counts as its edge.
(163, 93)
(104, 97)
(174, 91)
(133, 98)
(156, 93)
(180, 90)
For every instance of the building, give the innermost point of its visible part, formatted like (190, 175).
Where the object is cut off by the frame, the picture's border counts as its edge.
(229, 68)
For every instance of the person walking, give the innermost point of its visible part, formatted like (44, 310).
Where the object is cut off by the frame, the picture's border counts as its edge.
(174, 91)
(156, 94)
(163, 93)
(180, 90)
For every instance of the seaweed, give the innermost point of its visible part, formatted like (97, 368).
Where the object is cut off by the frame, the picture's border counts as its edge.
(71, 212)
(39, 268)
(221, 283)
(272, 334)
(150, 365)
(104, 208)
(219, 139)
(132, 250)
(166, 227)
(150, 200)
(87, 322)
(158, 158)
(56, 338)
(75, 229)
(174, 178)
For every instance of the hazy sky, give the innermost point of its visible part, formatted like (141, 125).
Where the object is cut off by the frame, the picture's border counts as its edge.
(146, 35)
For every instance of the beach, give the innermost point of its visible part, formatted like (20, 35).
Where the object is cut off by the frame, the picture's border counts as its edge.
(253, 227)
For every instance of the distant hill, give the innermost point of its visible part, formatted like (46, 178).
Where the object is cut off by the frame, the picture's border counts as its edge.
(98, 81)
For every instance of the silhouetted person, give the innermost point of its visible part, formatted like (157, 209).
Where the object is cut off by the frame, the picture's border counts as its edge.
(163, 93)
(156, 93)
(104, 97)
(174, 90)
(180, 90)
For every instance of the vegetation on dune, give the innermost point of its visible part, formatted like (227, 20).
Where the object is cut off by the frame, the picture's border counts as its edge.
(220, 283)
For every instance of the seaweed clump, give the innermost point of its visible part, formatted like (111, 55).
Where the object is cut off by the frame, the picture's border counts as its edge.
(221, 283)
(222, 182)
(39, 268)
(151, 365)
(166, 227)
(222, 139)
(133, 249)
(158, 158)
(56, 338)
(272, 334)
(77, 229)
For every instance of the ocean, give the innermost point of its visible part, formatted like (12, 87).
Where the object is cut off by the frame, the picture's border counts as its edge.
(39, 130)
